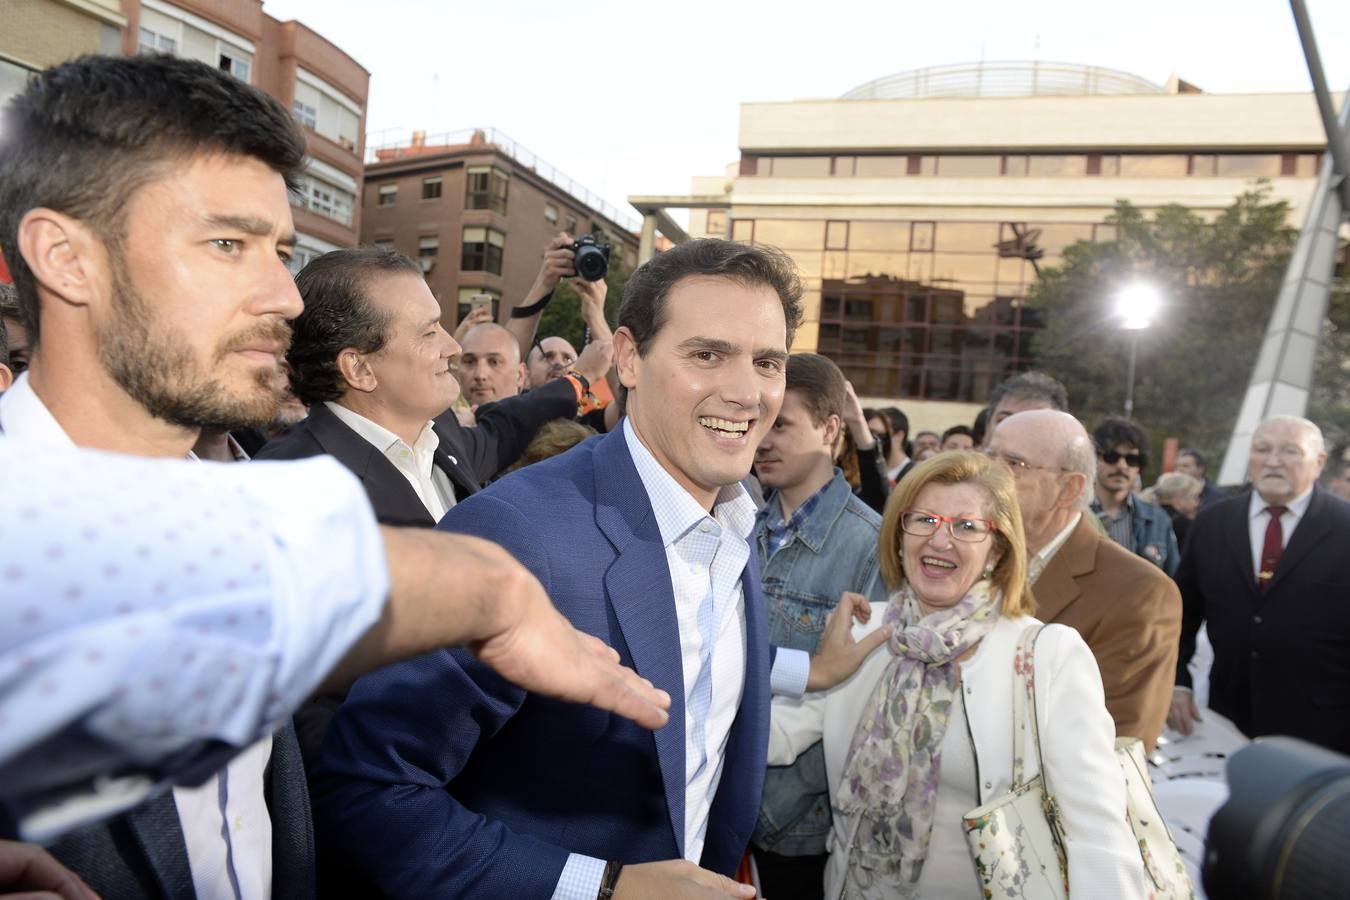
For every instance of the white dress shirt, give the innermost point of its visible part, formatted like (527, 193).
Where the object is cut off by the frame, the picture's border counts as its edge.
(175, 590)
(1258, 520)
(416, 463)
(707, 555)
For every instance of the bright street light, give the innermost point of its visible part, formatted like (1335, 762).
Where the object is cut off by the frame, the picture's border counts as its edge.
(1136, 304)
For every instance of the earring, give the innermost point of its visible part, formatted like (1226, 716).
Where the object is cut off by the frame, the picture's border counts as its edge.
(988, 572)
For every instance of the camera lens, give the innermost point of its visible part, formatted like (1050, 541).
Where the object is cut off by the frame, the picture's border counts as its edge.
(591, 263)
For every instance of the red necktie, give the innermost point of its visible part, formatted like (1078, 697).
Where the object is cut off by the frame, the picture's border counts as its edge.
(1273, 547)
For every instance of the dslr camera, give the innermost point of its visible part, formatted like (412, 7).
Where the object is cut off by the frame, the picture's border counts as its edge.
(591, 261)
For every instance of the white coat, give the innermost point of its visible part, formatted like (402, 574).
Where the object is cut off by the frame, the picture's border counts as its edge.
(1077, 742)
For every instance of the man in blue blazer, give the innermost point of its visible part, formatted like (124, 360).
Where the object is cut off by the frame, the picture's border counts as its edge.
(437, 779)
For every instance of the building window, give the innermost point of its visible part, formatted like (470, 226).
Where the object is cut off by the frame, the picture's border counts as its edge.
(486, 189)
(431, 188)
(482, 251)
(570, 225)
(550, 214)
(388, 194)
(836, 235)
(717, 222)
(743, 230)
(385, 244)
(326, 199)
(153, 42)
(427, 249)
(326, 110)
(236, 62)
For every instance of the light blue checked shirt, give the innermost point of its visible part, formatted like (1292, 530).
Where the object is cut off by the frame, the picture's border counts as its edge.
(706, 555)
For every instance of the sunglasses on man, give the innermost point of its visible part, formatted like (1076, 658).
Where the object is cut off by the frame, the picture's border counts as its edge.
(1133, 460)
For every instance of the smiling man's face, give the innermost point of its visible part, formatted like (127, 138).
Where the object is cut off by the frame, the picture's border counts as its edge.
(711, 382)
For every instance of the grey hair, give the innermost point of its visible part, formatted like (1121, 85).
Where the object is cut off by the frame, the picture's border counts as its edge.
(1175, 485)
(1319, 443)
(1080, 456)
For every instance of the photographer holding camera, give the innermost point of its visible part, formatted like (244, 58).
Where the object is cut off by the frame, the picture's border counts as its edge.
(586, 262)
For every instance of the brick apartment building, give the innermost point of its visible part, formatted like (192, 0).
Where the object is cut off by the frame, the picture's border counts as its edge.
(476, 210)
(325, 88)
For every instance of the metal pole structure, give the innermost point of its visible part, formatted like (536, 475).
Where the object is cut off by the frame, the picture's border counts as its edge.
(1129, 380)
(1335, 137)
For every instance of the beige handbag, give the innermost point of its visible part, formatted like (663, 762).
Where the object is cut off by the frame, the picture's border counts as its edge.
(1017, 840)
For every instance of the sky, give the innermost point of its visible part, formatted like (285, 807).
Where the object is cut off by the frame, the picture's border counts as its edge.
(633, 99)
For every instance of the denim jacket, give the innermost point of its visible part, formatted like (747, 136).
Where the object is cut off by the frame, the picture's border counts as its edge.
(835, 550)
(1154, 538)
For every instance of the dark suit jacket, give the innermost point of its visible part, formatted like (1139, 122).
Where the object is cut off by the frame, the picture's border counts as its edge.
(1282, 656)
(142, 853)
(439, 779)
(470, 457)
(1129, 613)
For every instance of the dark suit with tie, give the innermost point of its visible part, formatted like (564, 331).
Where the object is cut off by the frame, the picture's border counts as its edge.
(469, 457)
(142, 853)
(1282, 655)
(439, 779)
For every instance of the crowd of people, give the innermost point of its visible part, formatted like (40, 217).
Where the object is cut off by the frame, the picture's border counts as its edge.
(458, 628)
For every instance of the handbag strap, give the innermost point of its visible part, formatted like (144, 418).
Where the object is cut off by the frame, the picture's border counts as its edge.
(1024, 687)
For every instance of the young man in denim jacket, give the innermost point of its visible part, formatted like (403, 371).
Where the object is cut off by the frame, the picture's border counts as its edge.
(815, 540)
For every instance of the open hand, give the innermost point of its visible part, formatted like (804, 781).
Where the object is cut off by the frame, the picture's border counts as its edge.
(838, 656)
(676, 879)
(1183, 714)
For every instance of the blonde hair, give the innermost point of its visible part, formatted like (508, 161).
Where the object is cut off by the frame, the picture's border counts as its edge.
(965, 467)
(1176, 485)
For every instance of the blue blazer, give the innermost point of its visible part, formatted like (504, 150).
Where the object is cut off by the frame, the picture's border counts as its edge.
(439, 779)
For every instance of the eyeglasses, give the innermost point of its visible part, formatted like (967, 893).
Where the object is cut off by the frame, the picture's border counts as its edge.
(925, 524)
(1020, 466)
(1133, 460)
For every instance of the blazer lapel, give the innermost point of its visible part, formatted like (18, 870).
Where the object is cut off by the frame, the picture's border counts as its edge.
(1057, 588)
(450, 457)
(639, 591)
(1239, 541)
(155, 826)
(391, 496)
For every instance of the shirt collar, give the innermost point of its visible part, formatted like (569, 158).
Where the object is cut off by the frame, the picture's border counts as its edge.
(1257, 506)
(380, 437)
(24, 415)
(1047, 553)
(675, 508)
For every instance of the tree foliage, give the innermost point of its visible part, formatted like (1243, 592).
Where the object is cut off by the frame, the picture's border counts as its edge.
(1219, 280)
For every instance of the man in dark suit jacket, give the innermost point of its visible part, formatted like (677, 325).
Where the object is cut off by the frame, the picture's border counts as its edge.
(438, 779)
(370, 359)
(1269, 571)
(1126, 608)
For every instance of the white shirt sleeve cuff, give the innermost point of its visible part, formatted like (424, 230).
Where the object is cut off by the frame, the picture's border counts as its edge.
(580, 878)
(791, 668)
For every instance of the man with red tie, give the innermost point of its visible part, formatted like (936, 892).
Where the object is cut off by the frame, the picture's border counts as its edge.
(1269, 571)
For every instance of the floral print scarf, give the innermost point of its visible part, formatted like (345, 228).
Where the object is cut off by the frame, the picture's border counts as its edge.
(891, 773)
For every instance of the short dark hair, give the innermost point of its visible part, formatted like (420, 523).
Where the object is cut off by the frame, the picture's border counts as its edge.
(958, 429)
(1114, 430)
(1033, 386)
(84, 136)
(980, 428)
(643, 311)
(339, 314)
(884, 439)
(819, 383)
(899, 421)
(1195, 455)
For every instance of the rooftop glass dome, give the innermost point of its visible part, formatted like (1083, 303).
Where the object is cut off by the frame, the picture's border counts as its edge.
(1004, 79)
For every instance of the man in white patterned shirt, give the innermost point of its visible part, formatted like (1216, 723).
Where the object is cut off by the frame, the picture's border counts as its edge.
(438, 780)
(150, 270)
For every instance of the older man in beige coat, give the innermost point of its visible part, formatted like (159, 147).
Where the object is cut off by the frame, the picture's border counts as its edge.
(1127, 610)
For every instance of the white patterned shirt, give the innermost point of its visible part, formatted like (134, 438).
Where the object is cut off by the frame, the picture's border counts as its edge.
(155, 607)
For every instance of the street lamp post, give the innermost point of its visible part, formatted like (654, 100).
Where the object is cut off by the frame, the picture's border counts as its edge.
(1136, 304)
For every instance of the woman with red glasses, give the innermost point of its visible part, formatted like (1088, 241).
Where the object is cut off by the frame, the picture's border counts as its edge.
(922, 734)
